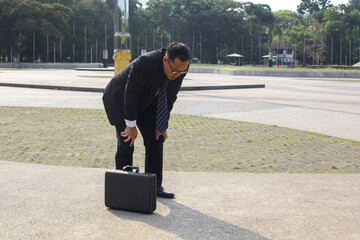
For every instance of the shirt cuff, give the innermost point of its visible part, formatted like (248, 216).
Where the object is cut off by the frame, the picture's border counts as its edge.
(130, 123)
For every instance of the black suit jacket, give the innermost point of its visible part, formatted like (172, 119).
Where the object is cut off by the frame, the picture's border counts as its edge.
(133, 88)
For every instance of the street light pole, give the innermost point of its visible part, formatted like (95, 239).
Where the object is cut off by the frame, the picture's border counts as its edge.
(54, 53)
(242, 48)
(200, 50)
(96, 51)
(295, 51)
(251, 51)
(33, 46)
(350, 53)
(73, 45)
(146, 40)
(193, 45)
(47, 48)
(154, 39)
(340, 51)
(313, 53)
(60, 51)
(85, 55)
(304, 53)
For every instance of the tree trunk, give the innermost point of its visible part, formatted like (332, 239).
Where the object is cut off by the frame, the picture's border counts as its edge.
(270, 59)
(270, 52)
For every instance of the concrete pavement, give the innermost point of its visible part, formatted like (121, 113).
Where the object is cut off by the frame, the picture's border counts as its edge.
(56, 202)
(93, 81)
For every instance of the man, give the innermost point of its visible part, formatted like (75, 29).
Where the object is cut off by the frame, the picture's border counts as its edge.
(142, 96)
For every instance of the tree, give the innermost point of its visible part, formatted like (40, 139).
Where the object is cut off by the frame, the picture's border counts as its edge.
(141, 26)
(311, 6)
(219, 23)
(355, 3)
(20, 18)
(212, 28)
(292, 27)
(259, 17)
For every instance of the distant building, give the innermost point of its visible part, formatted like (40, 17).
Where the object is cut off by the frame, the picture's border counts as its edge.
(284, 52)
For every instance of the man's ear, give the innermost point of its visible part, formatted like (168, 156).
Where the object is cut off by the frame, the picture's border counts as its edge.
(165, 59)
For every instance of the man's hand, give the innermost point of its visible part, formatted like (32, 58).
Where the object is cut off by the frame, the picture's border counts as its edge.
(131, 134)
(158, 134)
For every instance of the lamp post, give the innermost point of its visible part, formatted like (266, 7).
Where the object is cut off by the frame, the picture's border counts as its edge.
(85, 50)
(33, 46)
(105, 51)
(340, 51)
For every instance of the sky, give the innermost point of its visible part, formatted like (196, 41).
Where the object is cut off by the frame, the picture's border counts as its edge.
(282, 4)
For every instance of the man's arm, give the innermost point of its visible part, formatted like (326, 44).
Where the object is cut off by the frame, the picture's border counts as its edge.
(135, 83)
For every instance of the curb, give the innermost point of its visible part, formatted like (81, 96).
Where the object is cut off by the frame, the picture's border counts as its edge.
(85, 89)
(50, 66)
(277, 73)
(52, 87)
(110, 69)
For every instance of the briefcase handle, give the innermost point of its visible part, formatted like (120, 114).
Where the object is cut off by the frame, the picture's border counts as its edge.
(130, 168)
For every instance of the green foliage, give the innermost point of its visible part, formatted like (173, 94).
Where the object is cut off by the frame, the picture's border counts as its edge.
(329, 32)
(312, 6)
(20, 18)
(212, 28)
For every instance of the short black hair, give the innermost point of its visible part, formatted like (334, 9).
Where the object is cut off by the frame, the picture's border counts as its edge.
(178, 50)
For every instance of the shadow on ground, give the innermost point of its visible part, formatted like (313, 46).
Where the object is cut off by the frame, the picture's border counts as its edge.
(188, 223)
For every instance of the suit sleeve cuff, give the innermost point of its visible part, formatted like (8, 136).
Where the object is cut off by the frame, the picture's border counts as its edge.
(130, 123)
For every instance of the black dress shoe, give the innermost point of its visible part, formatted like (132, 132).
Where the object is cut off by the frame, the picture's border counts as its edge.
(164, 194)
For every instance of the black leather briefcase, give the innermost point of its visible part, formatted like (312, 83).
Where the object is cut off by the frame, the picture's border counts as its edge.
(131, 191)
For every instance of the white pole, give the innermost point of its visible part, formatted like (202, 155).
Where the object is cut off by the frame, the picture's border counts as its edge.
(91, 55)
(47, 48)
(33, 46)
(54, 54)
(340, 51)
(332, 49)
(85, 55)
(96, 51)
(60, 51)
(73, 58)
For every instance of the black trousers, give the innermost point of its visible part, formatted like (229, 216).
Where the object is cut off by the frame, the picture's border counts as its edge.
(146, 123)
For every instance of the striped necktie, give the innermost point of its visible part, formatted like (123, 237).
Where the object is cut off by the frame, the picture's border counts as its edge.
(162, 115)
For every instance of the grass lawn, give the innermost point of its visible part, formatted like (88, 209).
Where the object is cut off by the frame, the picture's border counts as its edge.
(83, 137)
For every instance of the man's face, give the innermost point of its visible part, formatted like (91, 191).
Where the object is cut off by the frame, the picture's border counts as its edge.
(173, 69)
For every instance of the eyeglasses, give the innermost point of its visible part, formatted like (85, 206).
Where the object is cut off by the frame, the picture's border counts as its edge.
(176, 72)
